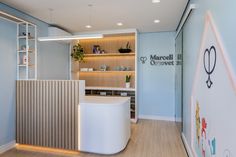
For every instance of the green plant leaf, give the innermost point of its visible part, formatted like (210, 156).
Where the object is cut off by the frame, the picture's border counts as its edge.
(78, 53)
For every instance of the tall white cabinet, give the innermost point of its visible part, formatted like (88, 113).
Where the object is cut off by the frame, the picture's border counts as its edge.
(26, 51)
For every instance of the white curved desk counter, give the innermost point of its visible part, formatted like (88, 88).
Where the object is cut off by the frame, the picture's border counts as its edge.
(104, 124)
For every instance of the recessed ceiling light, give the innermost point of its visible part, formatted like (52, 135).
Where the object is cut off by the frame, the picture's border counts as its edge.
(88, 26)
(119, 24)
(156, 1)
(156, 21)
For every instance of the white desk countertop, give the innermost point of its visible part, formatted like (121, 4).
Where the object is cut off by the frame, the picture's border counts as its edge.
(109, 88)
(97, 100)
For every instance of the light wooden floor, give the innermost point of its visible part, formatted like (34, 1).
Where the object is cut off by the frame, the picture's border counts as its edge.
(149, 139)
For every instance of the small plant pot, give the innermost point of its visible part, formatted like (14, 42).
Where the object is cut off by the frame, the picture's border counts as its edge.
(127, 84)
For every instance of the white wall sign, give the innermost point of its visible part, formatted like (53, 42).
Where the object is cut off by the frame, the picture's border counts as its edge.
(213, 101)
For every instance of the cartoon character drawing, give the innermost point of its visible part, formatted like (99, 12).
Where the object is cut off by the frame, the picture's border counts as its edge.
(203, 148)
(212, 145)
(198, 122)
(206, 145)
(204, 126)
(203, 136)
(227, 153)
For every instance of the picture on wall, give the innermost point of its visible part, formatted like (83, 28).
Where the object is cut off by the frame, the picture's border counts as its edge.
(213, 99)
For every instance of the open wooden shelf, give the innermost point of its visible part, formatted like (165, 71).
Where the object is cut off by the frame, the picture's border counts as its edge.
(109, 88)
(106, 71)
(109, 54)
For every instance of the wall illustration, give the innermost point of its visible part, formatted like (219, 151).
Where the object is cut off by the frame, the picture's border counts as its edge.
(209, 61)
(213, 99)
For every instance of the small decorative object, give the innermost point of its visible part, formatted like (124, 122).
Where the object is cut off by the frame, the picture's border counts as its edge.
(84, 69)
(102, 51)
(123, 94)
(127, 81)
(122, 68)
(96, 49)
(103, 67)
(128, 68)
(23, 47)
(24, 34)
(103, 93)
(25, 59)
(78, 53)
(90, 69)
(29, 36)
(125, 50)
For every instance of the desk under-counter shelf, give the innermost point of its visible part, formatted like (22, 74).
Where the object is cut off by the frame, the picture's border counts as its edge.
(116, 91)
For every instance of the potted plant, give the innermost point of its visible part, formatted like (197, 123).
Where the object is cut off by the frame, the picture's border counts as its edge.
(78, 53)
(127, 81)
(125, 50)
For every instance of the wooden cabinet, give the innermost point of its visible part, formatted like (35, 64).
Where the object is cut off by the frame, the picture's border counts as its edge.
(118, 64)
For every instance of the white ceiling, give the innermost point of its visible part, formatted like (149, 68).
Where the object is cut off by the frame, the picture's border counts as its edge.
(73, 15)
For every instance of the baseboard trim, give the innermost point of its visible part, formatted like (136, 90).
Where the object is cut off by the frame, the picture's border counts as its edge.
(188, 149)
(151, 117)
(7, 146)
(178, 120)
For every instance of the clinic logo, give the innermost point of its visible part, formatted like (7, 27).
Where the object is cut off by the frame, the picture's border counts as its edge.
(209, 61)
(143, 60)
(159, 60)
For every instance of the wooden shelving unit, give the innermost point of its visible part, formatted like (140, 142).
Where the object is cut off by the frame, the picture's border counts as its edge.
(119, 65)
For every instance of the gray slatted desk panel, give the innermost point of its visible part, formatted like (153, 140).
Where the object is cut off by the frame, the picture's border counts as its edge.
(47, 113)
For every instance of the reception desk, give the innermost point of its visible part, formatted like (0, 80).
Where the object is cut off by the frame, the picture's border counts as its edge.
(104, 124)
(57, 114)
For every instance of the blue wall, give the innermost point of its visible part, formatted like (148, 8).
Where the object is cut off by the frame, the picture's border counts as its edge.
(223, 13)
(48, 52)
(7, 81)
(156, 83)
(53, 63)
